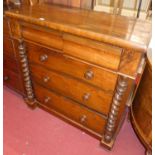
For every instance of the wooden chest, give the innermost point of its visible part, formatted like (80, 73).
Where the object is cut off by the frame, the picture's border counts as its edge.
(80, 65)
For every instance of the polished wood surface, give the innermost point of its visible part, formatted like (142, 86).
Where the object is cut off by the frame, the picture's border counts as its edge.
(11, 63)
(14, 28)
(5, 28)
(141, 110)
(11, 75)
(129, 62)
(8, 47)
(79, 64)
(117, 30)
(12, 80)
(71, 66)
(101, 54)
(87, 95)
(49, 38)
(70, 109)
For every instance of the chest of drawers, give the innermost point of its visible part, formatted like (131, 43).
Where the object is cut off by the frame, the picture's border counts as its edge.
(79, 65)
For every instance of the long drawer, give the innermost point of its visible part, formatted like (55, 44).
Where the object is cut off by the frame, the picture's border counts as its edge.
(86, 94)
(87, 72)
(70, 109)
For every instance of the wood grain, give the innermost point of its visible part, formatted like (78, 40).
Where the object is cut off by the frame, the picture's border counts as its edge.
(130, 61)
(116, 30)
(12, 77)
(11, 80)
(70, 109)
(8, 47)
(6, 32)
(87, 95)
(51, 39)
(74, 54)
(10, 63)
(141, 110)
(15, 29)
(91, 51)
(71, 66)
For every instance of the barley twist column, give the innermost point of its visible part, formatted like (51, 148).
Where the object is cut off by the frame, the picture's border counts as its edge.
(26, 73)
(111, 122)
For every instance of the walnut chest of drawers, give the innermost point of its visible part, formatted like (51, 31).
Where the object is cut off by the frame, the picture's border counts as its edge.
(80, 65)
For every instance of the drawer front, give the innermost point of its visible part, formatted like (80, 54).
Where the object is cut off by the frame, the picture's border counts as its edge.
(8, 47)
(12, 79)
(81, 70)
(81, 92)
(70, 109)
(91, 51)
(10, 63)
(51, 38)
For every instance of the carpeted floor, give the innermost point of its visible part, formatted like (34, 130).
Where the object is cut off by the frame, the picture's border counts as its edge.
(36, 132)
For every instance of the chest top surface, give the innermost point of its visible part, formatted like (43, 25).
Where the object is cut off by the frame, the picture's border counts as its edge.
(113, 29)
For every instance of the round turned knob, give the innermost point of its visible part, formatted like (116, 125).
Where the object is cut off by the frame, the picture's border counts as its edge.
(46, 79)
(89, 75)
(86, 96)
(6, 78)
(83, 119)
(43, 58)
(47, 99)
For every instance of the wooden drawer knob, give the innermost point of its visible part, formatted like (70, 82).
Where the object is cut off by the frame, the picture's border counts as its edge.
(47, 99)
(89, 75)
(83, 119)
(46, 79)
(6, 78)
(86, 96)
(43, 58)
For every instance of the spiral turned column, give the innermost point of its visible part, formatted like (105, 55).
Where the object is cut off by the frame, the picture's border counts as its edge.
(111, 122)
(26, 74)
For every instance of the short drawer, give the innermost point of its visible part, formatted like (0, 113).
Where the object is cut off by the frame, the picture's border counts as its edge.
(49, 38)
(85, 71)
(10, 63)
(8, 47)
(92, 51)
(70, 109)
(87, 95)
(12, 79)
